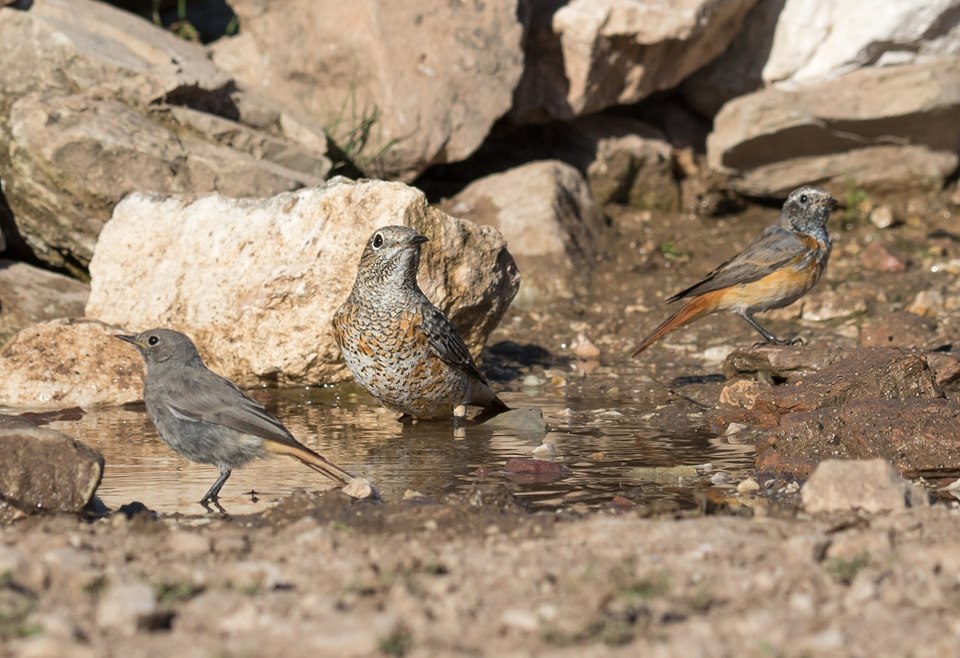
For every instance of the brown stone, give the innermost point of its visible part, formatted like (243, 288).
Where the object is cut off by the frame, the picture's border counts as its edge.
(29, 294)
(102, 103)
(46, 470)
(546, 214)
(864, 374)
(919, 436)
(878, 258)
(780, 361)
(587, 55)
(430, 78)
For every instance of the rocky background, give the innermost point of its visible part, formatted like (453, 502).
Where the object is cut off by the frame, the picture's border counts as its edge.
(534, 117)
(217, 166)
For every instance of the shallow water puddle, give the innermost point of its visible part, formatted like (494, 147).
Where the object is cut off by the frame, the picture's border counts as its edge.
(597, 445)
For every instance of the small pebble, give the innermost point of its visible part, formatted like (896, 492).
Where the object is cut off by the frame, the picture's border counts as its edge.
(748, 486)
(532, 381)
(719, 478)
(882, 217)
(734, 428)
(545, 451)
(361, 488)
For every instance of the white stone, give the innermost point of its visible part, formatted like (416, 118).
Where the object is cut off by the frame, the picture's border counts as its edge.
(255, 282)
(838, 36)
(871, 485)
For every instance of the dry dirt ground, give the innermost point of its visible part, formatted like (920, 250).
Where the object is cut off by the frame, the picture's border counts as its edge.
(319, 575)
(323, 576)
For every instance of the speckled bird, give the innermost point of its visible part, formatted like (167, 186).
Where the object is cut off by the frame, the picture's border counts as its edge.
(775, 270)
(398, 345)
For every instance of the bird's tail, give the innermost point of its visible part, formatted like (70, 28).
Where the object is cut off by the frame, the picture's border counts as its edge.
(695, 308)
(491, 408)
(311, 459)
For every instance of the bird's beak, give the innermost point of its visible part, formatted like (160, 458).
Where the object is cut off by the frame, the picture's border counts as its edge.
(418, 240)
(129, 339)
(832, 204)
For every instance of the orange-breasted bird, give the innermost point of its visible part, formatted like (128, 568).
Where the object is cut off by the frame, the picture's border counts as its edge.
(775, 270)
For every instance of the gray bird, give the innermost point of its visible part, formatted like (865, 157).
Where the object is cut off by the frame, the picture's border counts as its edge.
(206, 418)
(398, 345)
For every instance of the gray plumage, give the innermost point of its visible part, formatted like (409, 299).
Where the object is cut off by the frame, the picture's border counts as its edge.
(206, 418)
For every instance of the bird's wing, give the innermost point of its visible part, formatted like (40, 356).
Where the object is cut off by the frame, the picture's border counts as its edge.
(210, 398)
(773, 249)
(446, 343)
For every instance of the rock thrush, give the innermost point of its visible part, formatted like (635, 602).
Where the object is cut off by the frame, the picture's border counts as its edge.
(398, 345)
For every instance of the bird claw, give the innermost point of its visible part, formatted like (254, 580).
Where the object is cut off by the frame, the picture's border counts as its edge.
(217, 507)
(785, 342)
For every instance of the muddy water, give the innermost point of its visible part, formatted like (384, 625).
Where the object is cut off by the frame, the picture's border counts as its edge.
(598, 442)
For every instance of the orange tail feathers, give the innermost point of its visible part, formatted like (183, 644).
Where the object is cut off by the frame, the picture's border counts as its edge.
(311, 459)
(695, 308)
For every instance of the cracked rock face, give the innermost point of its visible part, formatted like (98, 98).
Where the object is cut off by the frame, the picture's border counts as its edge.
(257, 281)
(102, 103)
(897, 124)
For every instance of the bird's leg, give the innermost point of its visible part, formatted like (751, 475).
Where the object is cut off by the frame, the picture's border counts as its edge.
(767, 336)
(213, 494)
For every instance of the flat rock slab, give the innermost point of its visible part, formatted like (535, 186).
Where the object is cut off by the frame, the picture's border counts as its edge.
(918, 436)
(255, 283)
(44, 469)
(871, 485)
(881, 126)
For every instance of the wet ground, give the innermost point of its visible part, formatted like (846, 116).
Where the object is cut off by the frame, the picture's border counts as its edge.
(600, 442)
(466, 559)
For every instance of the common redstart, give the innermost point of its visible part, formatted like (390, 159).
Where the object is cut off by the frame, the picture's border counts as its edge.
(775, 270)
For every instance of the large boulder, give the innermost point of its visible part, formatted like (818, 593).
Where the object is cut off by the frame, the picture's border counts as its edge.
(68, 363)
(834, 38)
(102, 103)
(256, 282)
(591, 54)
(896, 125)
(29, 294)
(45, 470)
(546, 213)
(402, 85)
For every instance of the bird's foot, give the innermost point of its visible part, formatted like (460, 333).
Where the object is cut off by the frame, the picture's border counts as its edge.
(213, 505)
(778, 341)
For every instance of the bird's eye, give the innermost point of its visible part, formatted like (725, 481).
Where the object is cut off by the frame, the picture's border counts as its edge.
(803, 198)
(377, 241)
(153, 340)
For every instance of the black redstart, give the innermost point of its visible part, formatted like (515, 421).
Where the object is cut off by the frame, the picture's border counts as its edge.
(206, 418)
